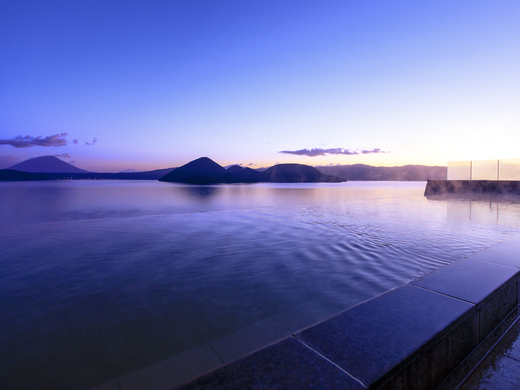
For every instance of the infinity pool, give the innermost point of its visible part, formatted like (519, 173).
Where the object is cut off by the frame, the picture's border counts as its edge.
(100, 278)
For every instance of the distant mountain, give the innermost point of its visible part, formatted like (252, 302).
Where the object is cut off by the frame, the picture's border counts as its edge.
(200, 171)
(56, 169)
(207, 171)
(403, 173)
(296, 173)
(46, 164)
(238, 174)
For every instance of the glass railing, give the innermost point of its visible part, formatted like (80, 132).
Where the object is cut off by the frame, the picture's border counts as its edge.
(509, 169)
(459, 170)
(484, 170)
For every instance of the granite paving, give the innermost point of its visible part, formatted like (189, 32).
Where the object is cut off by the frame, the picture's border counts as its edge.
(384, 334)
(468, 279)
(288, 364)
(506, 253)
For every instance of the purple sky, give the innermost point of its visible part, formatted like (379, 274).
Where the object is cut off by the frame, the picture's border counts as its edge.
(144, 85)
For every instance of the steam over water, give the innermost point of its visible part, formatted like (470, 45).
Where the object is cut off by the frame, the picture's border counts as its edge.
(101, 278)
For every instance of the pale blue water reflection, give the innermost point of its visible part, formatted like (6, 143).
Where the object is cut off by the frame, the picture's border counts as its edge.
(101, 278)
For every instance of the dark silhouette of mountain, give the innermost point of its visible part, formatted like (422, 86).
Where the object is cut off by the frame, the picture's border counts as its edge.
(206, 171)
(200, 171)
(296, 173)
(12, 175)
(238, 174)
(46, 164)
(403, 173)
(56, 169)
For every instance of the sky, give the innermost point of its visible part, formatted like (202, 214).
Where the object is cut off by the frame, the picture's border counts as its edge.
(115, 85)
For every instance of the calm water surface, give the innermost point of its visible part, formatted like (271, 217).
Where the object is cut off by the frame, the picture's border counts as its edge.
(99, 278)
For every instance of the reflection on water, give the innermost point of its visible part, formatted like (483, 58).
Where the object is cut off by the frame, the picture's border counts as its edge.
(29, 202)
(483, 211)
(101, 278)
(203, 193)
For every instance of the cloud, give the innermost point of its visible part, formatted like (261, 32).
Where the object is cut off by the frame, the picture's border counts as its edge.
(91, 143)
(63, 155)
(7, 161)
(75, 141)
(28, 141)
(377, 150)
(323, 152)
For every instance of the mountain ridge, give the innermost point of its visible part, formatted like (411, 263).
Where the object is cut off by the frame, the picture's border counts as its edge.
(236, 173)
(60, 170)
(46, 164)
(206, 171)
(297, 173)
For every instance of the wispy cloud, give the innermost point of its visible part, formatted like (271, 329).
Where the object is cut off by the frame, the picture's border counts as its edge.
(63, 155)
(75, 142)
(7, 161)
(91, 143)
(377, 150)
(335, 151)
(28, 141)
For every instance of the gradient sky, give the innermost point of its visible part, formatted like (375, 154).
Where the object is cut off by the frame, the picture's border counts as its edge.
(156, 84)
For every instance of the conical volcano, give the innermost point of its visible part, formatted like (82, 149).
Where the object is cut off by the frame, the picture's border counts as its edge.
(46, 164)
(200, 171)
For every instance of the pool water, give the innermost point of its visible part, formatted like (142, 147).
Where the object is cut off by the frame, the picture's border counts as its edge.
(100, 278)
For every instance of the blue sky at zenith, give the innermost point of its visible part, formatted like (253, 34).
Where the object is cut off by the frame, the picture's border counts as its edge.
(113, 85)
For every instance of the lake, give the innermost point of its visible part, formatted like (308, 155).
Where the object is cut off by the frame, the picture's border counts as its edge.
(100, 278)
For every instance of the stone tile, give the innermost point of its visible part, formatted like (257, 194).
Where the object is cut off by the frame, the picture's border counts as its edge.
(468, 279)
(249, 339)
(308, 314)
(506, 253)
(112, 385)
(510, 343)
(495, 372)
(288, 364)
(375, 340)
(173, 371)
